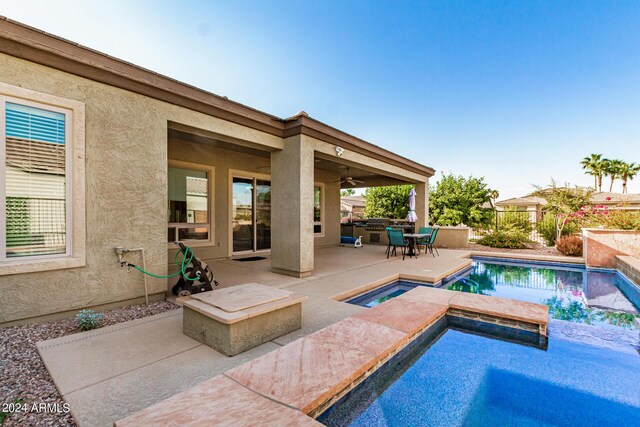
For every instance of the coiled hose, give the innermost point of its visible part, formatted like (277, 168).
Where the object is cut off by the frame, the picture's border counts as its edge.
(183, 264)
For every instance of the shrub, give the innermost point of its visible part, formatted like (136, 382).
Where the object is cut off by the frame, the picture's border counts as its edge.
(617, 219)
(88, 319)
(548, 231)
(508, 237)
(515, 219)
(570, 245)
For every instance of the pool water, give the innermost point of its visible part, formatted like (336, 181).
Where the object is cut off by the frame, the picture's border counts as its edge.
(466, 379)
(385, 293)
(573, 293)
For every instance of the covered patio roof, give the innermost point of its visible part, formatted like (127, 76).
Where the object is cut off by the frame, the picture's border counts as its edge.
(25, 42)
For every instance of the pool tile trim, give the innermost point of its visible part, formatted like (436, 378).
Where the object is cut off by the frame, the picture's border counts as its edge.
(264, 375)
(629, 267)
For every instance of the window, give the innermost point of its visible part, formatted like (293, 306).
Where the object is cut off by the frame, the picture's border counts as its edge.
(189, 203)
(42, 182)
(318, 209)
(35, 173)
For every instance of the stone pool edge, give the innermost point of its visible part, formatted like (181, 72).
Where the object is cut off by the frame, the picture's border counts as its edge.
(334, 361)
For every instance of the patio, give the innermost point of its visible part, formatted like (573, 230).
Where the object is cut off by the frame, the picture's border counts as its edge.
(110, 373)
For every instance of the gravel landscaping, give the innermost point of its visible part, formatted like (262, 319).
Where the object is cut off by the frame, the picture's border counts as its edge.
(23, 376)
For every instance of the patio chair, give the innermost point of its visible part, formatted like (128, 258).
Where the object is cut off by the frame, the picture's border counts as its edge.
(432, 240)
(424, 241)
(388, 241)
(396, 239)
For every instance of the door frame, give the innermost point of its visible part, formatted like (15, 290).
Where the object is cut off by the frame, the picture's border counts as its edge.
(237, 173)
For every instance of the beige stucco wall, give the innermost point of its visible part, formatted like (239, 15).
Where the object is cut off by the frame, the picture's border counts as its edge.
(126, 172)
(452, 237)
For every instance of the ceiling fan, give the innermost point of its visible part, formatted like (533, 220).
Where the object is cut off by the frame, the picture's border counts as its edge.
(350, 180)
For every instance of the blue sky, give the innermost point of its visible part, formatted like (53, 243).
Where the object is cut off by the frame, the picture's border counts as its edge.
(517, 92)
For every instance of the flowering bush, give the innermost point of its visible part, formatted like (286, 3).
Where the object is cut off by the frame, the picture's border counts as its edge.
(599, 216)
(569, 245)
(620, 219)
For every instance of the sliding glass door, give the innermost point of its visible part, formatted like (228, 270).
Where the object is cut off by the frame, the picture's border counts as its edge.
(251, 214)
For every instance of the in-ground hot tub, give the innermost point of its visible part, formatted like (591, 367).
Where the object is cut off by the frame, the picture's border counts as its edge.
(384, 293)
(468, 373)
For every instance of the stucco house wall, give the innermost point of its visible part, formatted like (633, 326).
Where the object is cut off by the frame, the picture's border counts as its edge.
(126, 153)
(126, 193)
(125, 196)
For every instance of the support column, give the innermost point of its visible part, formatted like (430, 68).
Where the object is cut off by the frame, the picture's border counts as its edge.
(292, 241)
(422, 204)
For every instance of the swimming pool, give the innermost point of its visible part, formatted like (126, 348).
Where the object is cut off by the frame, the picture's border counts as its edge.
(452, 377)
(573, 293)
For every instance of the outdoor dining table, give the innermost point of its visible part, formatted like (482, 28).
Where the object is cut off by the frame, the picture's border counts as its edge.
(412, 240)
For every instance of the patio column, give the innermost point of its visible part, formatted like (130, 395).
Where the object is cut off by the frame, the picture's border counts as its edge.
(292, 208)
(422, 204)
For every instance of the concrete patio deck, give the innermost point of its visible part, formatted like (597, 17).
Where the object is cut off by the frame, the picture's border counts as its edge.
(110, 373)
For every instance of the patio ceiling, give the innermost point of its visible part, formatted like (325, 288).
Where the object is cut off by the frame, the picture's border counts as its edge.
(369, 176)
(199, 136)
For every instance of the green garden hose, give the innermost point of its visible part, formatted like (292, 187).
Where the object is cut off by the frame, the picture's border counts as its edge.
(182, 264)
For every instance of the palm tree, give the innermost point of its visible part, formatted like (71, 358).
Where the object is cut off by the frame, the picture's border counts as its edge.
(613, 169)
(628, 171)
(595, 165)
(493, 196)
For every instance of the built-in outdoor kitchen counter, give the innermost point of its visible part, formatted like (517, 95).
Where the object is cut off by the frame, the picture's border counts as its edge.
(373, 229)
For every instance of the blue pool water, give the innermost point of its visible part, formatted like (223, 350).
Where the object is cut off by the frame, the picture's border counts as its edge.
(465, 379)
(384, 293)
(573, 293)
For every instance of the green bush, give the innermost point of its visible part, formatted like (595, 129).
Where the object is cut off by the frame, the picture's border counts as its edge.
(547, 229)
(512, 218)
(507, 237)
(88, 319)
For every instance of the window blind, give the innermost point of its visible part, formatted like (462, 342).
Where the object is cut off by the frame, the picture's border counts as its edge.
(35, 177)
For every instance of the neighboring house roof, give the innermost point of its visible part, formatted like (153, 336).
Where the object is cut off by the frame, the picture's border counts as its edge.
(615, 198)
(348, 203)
(522, 201)
(25, 42)
(35, 156)
(596, 198)
(353, 201)
(197, 186)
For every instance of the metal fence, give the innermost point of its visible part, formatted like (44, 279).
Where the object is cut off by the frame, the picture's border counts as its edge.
(501, 219)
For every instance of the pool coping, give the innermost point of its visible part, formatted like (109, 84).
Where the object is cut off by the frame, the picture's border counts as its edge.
(530, 257)
(467, 258)
(334, 360)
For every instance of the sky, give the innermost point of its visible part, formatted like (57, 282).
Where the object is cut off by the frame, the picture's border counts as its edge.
(515, 91)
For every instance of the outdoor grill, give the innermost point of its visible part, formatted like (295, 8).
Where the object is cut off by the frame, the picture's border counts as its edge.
(377, 224)
(375, 230)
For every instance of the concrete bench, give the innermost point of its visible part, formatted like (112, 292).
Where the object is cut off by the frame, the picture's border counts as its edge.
(236, 319)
